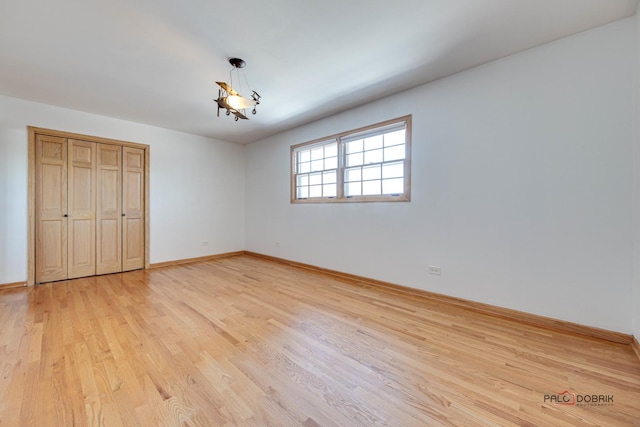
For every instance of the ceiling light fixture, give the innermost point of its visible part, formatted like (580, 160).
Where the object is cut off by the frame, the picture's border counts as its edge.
(232, 101)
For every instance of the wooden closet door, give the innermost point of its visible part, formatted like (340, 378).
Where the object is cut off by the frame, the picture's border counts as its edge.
(109, 210)
(51, 208)
(133, 209)
(82, 209)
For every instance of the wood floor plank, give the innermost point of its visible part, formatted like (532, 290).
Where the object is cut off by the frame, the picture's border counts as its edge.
(247, 341)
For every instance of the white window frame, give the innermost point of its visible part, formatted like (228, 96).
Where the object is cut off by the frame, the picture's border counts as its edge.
(342, 139)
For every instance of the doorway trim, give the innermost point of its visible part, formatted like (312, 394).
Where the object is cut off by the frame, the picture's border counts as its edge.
(31, 196)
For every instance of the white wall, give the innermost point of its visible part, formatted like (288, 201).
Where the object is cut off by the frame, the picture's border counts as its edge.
(197, 184)
(522, 186)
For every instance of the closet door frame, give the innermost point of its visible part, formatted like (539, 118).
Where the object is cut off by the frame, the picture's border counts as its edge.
(31, 226)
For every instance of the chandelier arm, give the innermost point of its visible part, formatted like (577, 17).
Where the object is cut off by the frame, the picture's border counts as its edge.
(231, 77)
(246, 81)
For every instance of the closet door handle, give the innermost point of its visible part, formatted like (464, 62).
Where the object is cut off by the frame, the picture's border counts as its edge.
(65, 215)
(123, 214)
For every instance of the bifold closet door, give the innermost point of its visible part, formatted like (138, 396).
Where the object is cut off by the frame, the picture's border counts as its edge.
(89, 208)
(82, 209)
(133, 209)
(109, 210)
(51, 208)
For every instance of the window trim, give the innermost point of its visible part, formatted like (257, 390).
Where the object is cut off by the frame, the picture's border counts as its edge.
(338, 137)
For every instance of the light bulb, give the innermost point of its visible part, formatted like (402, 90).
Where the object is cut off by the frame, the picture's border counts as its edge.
(238, 102)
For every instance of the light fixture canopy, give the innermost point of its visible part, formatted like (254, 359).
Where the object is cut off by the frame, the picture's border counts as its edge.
(237, 62)
(230, 100)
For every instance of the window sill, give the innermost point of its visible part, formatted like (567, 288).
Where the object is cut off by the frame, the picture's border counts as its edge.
(357, 199)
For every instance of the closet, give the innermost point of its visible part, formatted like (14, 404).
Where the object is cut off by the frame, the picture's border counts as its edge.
(89, 207)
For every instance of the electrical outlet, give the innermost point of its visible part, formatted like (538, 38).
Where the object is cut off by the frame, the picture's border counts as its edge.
(435, 270)
(205, 243)
(277, 243)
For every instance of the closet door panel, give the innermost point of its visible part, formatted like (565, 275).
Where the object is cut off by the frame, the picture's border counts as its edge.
(109, 210)
(82, 209)
(51, 209)
(133, 209)
(89, 207)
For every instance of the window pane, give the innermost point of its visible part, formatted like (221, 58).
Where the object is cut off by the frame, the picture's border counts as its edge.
(394, 138)
(353, 189)
(317, 153)
(370, 188)
(354, 174)
(372, 161)
(329, 177)
(315, 179)
(304, 167)
(331, 163)
(315, 191)
(354, 146)
(304, 156)
(393, 186)
(354, 159)
(374, 156)
(371, 172)
(373, 142)
(394, 153)
(329, 190)
(393, 170)
(331, 150)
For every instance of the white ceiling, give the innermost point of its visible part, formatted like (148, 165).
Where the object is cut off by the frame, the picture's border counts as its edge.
(156, 61)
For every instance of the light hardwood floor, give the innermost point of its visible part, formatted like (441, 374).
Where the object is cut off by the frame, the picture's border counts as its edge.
(244, 341)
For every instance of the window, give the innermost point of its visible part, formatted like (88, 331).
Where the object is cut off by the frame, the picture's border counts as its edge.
(363, 165)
